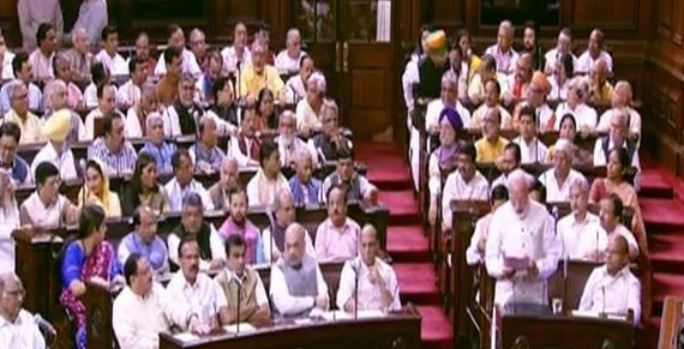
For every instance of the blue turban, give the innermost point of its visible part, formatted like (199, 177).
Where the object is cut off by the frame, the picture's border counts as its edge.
(452, 116)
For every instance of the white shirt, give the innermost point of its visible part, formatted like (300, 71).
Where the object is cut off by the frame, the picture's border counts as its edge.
(218, 250)
(34, 94)
(558, 192)
(42, 66)
(90, 122)
(205, 297)
(558, 92)
(22, 333)
(295, 89)
(176, 194)
(64, 162)
(262, 191)
(44, 216)
(506, 66)
(627, 234)
(585, 63)
(137, 321)
(266, 236)
(188, 66)
(477, 119)
(231, 59)
(634, 121)
(410, 77)
(456, 188)
(531, 235)
(306, 116)
(614, 294)
(128, 95)
(552, 56)
(369, 294)
(116, 65)
(584, 115)
(9, 220)
(283, 301)
(133, 128)
(172, 124)
(6, 65)
(234, 151)
(600, 158)
(473, 255)
(435, 107)
(286, 64)
(533, 152)
(90, 95)
(288, 152)
(581, 239)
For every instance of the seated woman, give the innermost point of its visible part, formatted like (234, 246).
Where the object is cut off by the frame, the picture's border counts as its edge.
(87, 257)
(266, 115)
(96, 190)
(444, 158)
(568, 131)
(144, 188)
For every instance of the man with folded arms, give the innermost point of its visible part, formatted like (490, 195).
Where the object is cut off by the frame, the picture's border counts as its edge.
(297, 284)
(240, 283)
(377, 287)
(612, 288)
(144, 309)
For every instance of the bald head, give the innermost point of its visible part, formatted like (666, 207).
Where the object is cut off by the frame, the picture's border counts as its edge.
(369, 244)
(230, 173)
(284, 209)
(617, 256)
(294, 244)
(518, 186)
(11, 295)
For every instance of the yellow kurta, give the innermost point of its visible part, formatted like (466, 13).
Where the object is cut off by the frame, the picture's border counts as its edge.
(251, 82)
(30, 128)
(489, 152)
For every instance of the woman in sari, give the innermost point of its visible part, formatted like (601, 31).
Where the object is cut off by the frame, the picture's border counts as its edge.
(87, 257)
(144, 187)
(568, 131)
(616, 183)
(96, 190)
(266, 114)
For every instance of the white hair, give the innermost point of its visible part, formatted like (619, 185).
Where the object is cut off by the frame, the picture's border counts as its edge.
(507, 26)
(519, 176)
(152, 119)
(581, 183)
(13, 87)
(565, 146)
(318, 80)
(195, 34)
(291, 34)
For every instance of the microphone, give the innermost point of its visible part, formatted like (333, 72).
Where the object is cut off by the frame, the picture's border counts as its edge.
(272, 225)
(597, 245)
(44, 325)
(234, 278)
(603, 305)
(321, 154)
(356, 266)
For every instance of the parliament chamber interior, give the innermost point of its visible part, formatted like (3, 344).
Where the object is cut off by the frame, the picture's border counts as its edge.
(342, 173)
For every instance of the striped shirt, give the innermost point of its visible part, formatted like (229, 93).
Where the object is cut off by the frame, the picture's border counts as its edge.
(118, 163)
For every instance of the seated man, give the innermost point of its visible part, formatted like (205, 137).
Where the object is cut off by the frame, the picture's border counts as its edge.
(198, 46)
(467, 183)
(143, 51)
(490, 147)
(478, 242)
(563, 46)
(205, 153)
(56, 99)
(580, 231)
(309, 109)
(514, 87)
(195, 289)
(223, 107)
(212, 253)
(245, 146)
(448, 98)
(274, 235)
(144, 309)
(183, 182)
(205, 82)
(138, 113)
(331, 139)
(509, 161)
(42, 57)
(101, 77)
(46, 207)
(230, 180)
(129, 93)
(236, 56)
(585, 116)
(145, 242)
(188, 63)
(238, 223)
(486, 71)
(109, 55)
(356, 186)
(80, 57)
(305, 188)
(10, 161)
(558, 179)
(112, 148)
(612, 288)
(532, 150)
(610, 215)
(595, 52)
(289, 145)
(297, 285)
(618, 136)
(18, 328)
(622, 100)
(5, 60)
(29, 124)
(492, 91)
(367, 282)
(106, 103)
(23, 71)
(503, 50)
(337, 237)
(288, 59)
(242, 284)
(295, 87)
(536, 98)
(268, 180)
(184, 113)
(600, 89)
(167, 87)
(156, 145)
(259, 75)
(57, 150)
(63, 72)
(443, 159)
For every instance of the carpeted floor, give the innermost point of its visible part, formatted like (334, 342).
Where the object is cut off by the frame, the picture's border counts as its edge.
(660, 200)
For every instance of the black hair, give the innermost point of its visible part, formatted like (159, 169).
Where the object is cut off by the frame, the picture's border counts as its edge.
(144, 159)
(170, 53)
(218, 86)
(44, 170)
(41, 33)
(344, 153)
(618, 206)
(108, 121)
(91, 219)
(99, 72)
(172, 28)
(530, 24)
(176, 157)
(567, 62)
(109, 30)
(468, 148)
(512, 146)
(101, 88)
(267, 149)
(233, 240)
(186, 239)
(539, 188)
(18, 61)
(496, 84)
(499, 193)
(341, 188)
(571, 118)
(530, 111)
(489, 62)
(303, 58)
(133, 63)
(623, 157)
(10, 129)
(131, 266)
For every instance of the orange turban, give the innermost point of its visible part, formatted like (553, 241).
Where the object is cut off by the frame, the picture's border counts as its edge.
(540, 80)
(436, 42)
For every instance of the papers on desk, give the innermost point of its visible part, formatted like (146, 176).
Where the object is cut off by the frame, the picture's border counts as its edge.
(585, 313)
(245, 327)
(596, 314)
(185, 337)
(341, 315)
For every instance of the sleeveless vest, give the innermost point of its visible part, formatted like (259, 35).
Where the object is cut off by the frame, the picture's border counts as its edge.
(247, 291)
(302, 282)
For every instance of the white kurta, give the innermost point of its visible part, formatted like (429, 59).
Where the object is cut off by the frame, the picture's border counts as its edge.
(369, 294)
(435, 107)
(456, 188)
(552, 56)
(205, 297)
(266, 236)
(64, 162)
(581, 239)
(585, 63)
(555, 191)
(614, 294)
(216, 244)
(533, 152)
(188, 66)
(585, 116)
(176, 194)
(600, 158)
(634, 121)
(45, 216)
(513, 236)
(9, 220)
(116, 65)
(128, 95)
(286, 64)
(137, 321)
(283, 301)
(22, 333)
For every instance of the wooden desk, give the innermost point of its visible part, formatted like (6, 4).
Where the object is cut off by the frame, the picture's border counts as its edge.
(669, 323)
(393, 331)
(532, 331)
